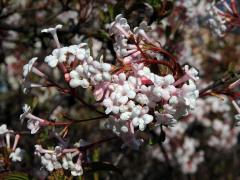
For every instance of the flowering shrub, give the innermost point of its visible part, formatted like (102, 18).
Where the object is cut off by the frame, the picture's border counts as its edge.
(150, 85)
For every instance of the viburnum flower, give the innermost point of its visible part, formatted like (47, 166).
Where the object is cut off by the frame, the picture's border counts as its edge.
(90, 72)
(28, 67)
(50, 162)
(120, 26)
(67, 163)
(53, 32)
(33, 122)
(142, 31)
(60, 158)
(77, 170)
(165, 119)
(4, 133)
(190, 74)
(133, 95)
(129, 96)
(33, 125)
(67, 55)
(3, 129)
(26, 111)
(50, 159)
(17, 155)
(38, 149)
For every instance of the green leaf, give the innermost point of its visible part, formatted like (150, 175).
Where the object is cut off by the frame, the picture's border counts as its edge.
(152, 141)
(111, 12)
(101, 166)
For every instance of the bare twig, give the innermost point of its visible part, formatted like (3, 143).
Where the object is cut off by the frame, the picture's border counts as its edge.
(221, 82)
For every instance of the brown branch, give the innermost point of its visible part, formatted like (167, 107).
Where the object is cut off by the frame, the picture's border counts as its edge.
(89, 106)
(221, 82)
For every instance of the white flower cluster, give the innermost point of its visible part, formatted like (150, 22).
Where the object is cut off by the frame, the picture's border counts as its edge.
(4, 133)
(90, 72)
(16, 152)
(129, 51)
(218, 21)
(17, 155)
(120, 101)
(57, 159)
(134, 99)
(68, 54)
(134, 96)
(131, 101)
(131, 93)
(84, 70)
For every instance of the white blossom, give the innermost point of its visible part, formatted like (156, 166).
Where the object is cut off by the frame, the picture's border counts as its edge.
(68, 54)
(33, 125)
(33, 122)
(28, 67)
(77, 170)
(52, 30)
(26, 110)
(3, 129)
(17, 155)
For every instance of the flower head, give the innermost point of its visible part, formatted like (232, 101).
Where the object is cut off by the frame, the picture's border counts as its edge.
(28, 67)
(3, 129)
(53, 32)
(26, 110)
(17, 155)
(33, 125)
